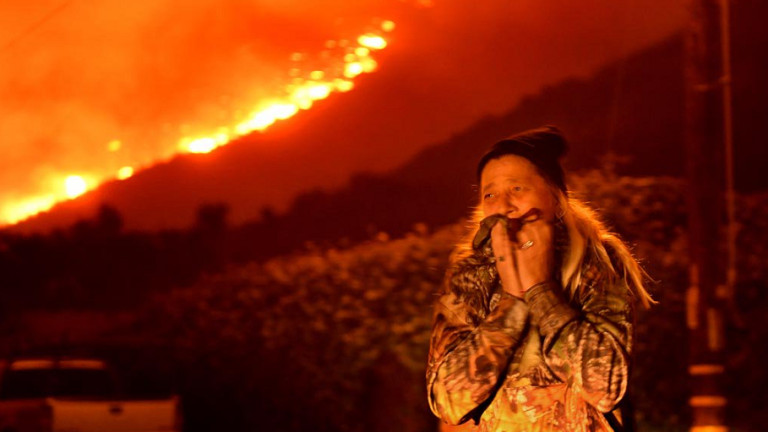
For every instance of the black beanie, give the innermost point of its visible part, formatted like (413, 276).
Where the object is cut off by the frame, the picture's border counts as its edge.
(542, 146)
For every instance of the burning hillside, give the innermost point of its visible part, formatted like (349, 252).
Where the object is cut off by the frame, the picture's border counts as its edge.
(310, 78)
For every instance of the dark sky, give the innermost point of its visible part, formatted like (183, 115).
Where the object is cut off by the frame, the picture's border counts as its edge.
(78, 75)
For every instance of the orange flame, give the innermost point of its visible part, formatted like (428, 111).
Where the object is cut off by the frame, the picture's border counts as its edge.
(71, 187)
(124, 173)
(26, 208)
(300, 95)
(75, 186)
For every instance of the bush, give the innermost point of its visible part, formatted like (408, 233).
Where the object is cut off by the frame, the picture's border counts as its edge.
(336, 339)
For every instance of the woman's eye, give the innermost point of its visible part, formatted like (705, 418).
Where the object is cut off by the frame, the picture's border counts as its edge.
(517, 188)
(488, 196)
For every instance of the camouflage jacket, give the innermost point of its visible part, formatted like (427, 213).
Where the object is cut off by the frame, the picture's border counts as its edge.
(542, 363)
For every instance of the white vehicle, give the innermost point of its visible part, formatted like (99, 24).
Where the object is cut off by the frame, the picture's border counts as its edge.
(50, 394)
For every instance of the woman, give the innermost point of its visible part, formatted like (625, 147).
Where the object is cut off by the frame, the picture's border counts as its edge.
(534, 329)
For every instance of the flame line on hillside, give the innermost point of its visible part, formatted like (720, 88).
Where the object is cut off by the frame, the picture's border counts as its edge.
(301, 96)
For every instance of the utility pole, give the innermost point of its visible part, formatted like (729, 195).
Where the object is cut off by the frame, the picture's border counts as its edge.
(709, 170)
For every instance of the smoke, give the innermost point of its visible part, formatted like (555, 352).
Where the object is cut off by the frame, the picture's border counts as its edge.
(77, 75)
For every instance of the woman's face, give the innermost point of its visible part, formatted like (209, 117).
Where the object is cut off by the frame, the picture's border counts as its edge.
(511, 185)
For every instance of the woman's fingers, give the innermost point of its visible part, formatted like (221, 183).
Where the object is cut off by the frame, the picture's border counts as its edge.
(534, 253)
(503, 249)
(526, 258)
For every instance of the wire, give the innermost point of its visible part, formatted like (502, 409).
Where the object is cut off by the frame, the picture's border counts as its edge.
(35, 25)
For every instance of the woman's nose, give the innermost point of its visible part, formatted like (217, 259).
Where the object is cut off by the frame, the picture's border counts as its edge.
(508, 206)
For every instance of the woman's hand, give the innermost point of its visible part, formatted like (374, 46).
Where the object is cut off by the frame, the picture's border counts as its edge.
(503, 249)
(535, 253)
(526, 258)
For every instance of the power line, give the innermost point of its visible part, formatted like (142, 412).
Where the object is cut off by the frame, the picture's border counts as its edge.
(35, 25)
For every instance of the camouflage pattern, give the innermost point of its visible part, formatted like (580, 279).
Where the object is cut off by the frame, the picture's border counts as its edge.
(542, 363)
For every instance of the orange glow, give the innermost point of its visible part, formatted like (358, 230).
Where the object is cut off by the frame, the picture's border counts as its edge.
(19, 211)
(200, 145)
(319, 91)
(352, 70)
(305, 87)
(301, 94)
(369, 65)
(260, 120)
(283, 111)
(124, 173)
(75, 186)
(372, 41)
(343, 85)
(69, 187)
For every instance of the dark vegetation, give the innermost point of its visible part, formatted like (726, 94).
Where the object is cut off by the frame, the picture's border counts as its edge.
(334, 336)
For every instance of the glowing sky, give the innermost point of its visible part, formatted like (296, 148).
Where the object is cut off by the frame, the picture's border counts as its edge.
(92, 87)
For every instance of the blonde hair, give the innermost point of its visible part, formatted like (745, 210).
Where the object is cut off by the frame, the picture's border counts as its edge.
(589, 240)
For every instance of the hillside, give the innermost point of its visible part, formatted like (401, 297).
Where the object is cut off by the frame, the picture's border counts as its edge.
(632, 109)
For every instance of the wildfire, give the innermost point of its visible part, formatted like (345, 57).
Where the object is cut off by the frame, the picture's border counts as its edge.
(26, 208)
(124, 172)
(71, 187)
(75, 186)
(357, 61)
(300, 94)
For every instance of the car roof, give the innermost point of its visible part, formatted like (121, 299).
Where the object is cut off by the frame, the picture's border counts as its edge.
(31, 363)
